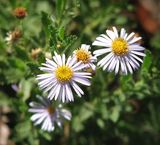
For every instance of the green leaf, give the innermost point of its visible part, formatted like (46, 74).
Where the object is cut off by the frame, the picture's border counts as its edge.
(115, 112)
(60, 5)
(46, 21)
(23, 130)
(25, 88)
(147, 62)
(61, 33)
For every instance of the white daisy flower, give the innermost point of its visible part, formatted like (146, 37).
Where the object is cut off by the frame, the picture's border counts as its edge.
(83, 54)
(123, 52)
(61, 75)
(46, 115)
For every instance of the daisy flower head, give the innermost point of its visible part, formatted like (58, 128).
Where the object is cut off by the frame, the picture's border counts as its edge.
(61, 77)
(46, 115)
(122, 51)
(83, 54)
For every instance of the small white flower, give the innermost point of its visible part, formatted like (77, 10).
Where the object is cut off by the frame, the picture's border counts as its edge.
(83, 54)
(61, 75)
(46, 115)
(123, 52)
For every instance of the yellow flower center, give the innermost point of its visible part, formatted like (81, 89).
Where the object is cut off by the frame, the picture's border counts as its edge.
(82, 55)
(50, 110)
(119, 46)
(64, 73)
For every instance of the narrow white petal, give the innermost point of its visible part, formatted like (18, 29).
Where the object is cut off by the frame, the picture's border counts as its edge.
(138, 53)
(115, 32)
(134, 66)
(103, 40)
(77, 89)
(105, 59)
(123, 66)
(135, 39)
(72, 61)
(136, 47)
(86, 47)
(82, 74)
(102, 51)
(51, 62)
(108, 63)
(134, 61)
(111, 34)
(83, 81)
(57, 91)
(130, 36)
(63, 59)
(128, 65)
(44, 76)
(68, 60)
(106, 37)
(49, 66)
(79, 67)
(69, 92)
(117, 66)
(112, 64)
(122, 33)
(52, 92)
(46, 69)
(99, 43)
(136, 57)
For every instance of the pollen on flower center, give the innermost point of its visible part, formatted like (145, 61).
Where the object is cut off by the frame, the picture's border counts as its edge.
(50, 110)
(82, 55)
(64, 73)
(119, 46)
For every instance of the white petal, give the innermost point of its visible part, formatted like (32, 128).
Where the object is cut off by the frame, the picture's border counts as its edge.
(117, 66)
(122, 33)
(86, 47)
(103, 40)
(72, 61)
(111, 34)
(51, 62)
(52, 92)
(135, 39)
(108, 62)
(77, 89)
(63, 59)
(105, 59)
(44, 76)
(136, 47)
(112, 64)
(106, 37)
(102, 51)
(57, 91)
(69, 92)
(130, 36)
(115, 32)
(82, 74)
(138, 53)
(99, 43)
(49, 66)
(128, 65)
(136, 57)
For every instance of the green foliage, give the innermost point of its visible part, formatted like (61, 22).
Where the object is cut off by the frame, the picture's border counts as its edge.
(115, 110)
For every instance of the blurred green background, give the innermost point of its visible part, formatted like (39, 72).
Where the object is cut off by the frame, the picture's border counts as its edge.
(115, 110)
